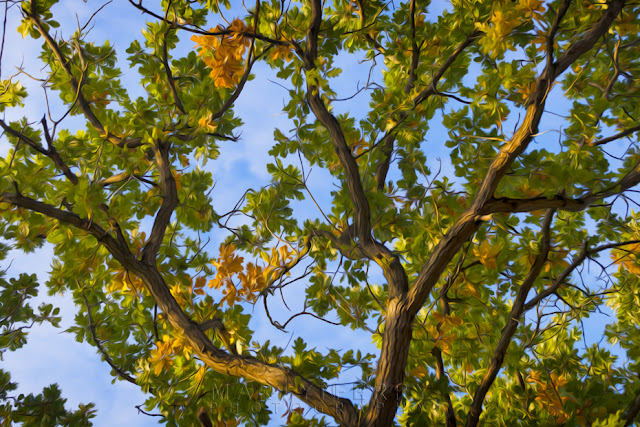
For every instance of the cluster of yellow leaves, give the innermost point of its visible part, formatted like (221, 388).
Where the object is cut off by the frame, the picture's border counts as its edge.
(281, 51)
(555, 258)
(464, 288)
(241, 282)
(548, 394)
(223, 54)
(487, 254)
(228, 265)
(525, 89)
(628, 258)
(442, 332)
(126, 284)
(207, 124)
(278, 261)
(180, 294)
(198, 285)
(162, 357)
(506, 16)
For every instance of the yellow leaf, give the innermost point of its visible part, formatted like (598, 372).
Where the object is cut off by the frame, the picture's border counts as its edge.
(207, 124)
(627, 258)
(487, 254)
(418, 372)
(281, 51)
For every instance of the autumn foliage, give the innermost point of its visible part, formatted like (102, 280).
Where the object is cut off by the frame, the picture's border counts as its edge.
(448, 235)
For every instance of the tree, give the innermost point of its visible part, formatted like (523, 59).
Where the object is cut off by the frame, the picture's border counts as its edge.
(485, 277)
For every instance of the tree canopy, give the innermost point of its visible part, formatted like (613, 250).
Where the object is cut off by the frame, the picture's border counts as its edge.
(473, 277)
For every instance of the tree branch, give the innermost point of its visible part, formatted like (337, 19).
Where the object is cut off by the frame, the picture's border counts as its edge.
(617, 136)
(50, 151)
(169, 203)
(248, 367)
(633, 412)
(577, 261)
(388, 140)
(441, 375)
(167, 69)
(469, 222)
(512, 324)
(92, 329)
(509, 205)
(115, 246)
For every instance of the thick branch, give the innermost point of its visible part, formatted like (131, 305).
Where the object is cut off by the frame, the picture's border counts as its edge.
(587, 40)
(470, 220)
(512, 324)
(169, 203)
(391, 266)
(248, 367)
(633, 412)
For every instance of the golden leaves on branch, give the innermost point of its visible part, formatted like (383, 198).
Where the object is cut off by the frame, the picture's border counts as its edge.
(548, 396)
(228, 265)
(506, 16)
(126, 284)
(223, 54)
(281, 51)
(487, 254)
(443, 334)
(161, 358)
(240, 282)
(628, 258)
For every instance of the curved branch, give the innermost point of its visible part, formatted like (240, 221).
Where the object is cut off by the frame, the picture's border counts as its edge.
(116, 246)
(469, 222)
(617, 136)
(577, 261)
(196, 30)
(92, 329)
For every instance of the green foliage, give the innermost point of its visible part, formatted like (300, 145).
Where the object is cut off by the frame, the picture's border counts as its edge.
(48, 407)
(472, 276)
